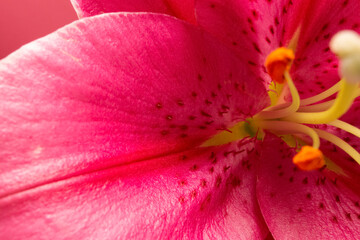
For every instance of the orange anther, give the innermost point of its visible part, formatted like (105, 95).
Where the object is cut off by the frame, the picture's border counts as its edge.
(277, 62)
(309, 158)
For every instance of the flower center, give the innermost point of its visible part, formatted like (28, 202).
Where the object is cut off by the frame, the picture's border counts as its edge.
(290, 118)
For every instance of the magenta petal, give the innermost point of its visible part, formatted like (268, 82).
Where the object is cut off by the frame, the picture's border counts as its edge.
(183, 9)
(252, 29)
(316, 67)
(304, 205)
(108, 94)
(115, 89)
(201, 194)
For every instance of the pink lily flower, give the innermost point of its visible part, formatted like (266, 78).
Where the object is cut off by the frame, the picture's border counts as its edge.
(112, 127)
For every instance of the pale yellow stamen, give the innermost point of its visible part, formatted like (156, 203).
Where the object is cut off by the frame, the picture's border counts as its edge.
(292, 108)
(340, 143)
(320, 106)
(346, 127)
(325, 94)
(341, 105)
(282, 127)
(317, 107)
(274, 92)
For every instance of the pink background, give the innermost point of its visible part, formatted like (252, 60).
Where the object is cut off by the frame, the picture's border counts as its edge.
(22, 21)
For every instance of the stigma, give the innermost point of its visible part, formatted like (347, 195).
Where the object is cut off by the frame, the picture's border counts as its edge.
(298, 117)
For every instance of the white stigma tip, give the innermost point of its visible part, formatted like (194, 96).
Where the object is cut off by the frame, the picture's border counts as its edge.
(345, 43)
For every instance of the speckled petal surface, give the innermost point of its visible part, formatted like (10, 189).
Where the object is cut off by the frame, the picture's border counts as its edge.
(304, 205)
(201, 194)
(347, 165)
(316, 67)
(95, 126)
(252, 29)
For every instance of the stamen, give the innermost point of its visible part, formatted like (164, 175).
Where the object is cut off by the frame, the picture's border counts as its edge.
(289, 117)
(309, 158)
(320, 106)
(341, 105)
(317, 107)
(292, 108)
(290, 127)
(340, 143)
(346, 127)
(317, 98)
(321, 96)
(277, 62)
(274, 92)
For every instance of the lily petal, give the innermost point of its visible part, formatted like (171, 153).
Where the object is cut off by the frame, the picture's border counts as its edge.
(252, 29)
(316, 67)
(304, 205)
(164, 198)
(182, 9)
(96, 116)
(86, 97)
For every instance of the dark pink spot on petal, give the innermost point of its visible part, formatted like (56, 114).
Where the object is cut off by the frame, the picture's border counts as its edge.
(276, 21)
(256, 47)
(180, 103)
(164, 132)
(158, 105)
(183, 182)
(218, 181)
(203, 183)
(193, 194)
(194, 167)
(271, 29)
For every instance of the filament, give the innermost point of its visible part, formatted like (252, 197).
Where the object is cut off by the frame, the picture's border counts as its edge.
(317, 98)
(342, 103)
(290, 127)
(292, 108)
(346, 127)
(340, 143)
(317, 107)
